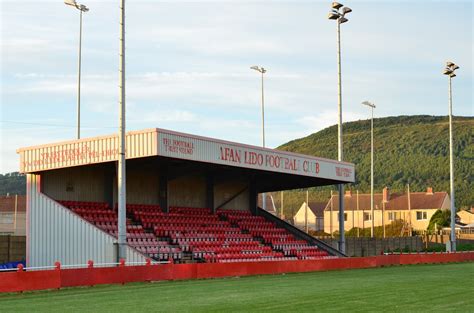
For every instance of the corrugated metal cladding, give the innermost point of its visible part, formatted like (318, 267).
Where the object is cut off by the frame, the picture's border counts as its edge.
(86, 151)
(160, 142)
(57, 234)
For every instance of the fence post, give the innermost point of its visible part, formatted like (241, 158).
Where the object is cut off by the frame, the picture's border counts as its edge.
(9, 248)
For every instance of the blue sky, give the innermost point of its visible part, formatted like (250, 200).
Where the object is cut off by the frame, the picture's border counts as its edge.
(188, 67)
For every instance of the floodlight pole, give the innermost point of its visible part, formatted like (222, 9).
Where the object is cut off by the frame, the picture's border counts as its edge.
(451, 169)
(449, 70)
(264, 198)
(372, 107)
(338, 13)
(262, 71)
(79, 80)
(342, 240)
(82, 8)
(122, 227)
(372, 172)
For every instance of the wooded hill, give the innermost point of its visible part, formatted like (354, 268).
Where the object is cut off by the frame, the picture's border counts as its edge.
(408, 150)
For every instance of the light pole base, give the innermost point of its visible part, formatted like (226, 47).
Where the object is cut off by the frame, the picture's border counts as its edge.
(341, 246)
(451, 246)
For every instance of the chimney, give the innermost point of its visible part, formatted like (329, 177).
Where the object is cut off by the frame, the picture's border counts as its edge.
(348, 193)
(429, 191)
(385, 194)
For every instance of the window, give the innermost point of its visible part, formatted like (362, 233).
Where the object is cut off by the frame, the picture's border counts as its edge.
(421, 215)
(367, 217)
(345, 217)
(392, 216)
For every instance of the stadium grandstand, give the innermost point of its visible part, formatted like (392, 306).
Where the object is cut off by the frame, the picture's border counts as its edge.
(189, 199)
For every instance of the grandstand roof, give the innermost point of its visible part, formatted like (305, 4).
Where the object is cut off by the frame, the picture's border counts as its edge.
(173, 145)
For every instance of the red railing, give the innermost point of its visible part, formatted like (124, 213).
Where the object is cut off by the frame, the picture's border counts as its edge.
(91, 275)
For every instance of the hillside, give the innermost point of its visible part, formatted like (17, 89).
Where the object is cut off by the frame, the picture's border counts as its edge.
(12, 183)
(408, 149)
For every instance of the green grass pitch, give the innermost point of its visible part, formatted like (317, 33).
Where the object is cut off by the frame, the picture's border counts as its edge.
(415, 288)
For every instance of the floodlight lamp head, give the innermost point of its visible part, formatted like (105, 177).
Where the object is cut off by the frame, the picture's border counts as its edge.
(83, 8)
(333, 16)
(343, 20)
(336, 5)
(455, 67)
(452, 75)
(70, 2)
(346, 10)
(367, 103)
(449, 64)
(255, 67)
(262, 70)
(447, 71)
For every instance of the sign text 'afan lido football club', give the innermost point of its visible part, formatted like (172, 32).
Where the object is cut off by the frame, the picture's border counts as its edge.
(201, 149)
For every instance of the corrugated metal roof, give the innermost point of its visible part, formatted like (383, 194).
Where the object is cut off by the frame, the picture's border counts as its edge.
(165, 143)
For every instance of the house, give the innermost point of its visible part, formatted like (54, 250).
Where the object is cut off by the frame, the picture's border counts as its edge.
(465, 217)
(315, 216)
(415, 208)
(13, 215)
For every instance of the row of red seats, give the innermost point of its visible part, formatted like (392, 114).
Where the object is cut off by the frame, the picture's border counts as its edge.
(309, 253)
(266, 232)
(239, 257)
(152, 223)
(111, 227)
(191, 245)
(70, 204)
(146, 242)
(234, 213)
(161, 255)
(306, 257)
(140, 213)
(154, 250)
(199, 253)
(106, 219)
(167, 231)
(134, 235)
(227, 237)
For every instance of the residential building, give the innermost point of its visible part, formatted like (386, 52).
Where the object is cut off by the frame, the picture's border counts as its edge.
(315, 216)
(13, 215)
(415, 208)
(465, 217)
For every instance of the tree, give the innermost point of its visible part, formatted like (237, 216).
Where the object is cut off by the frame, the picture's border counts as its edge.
(441, 218)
